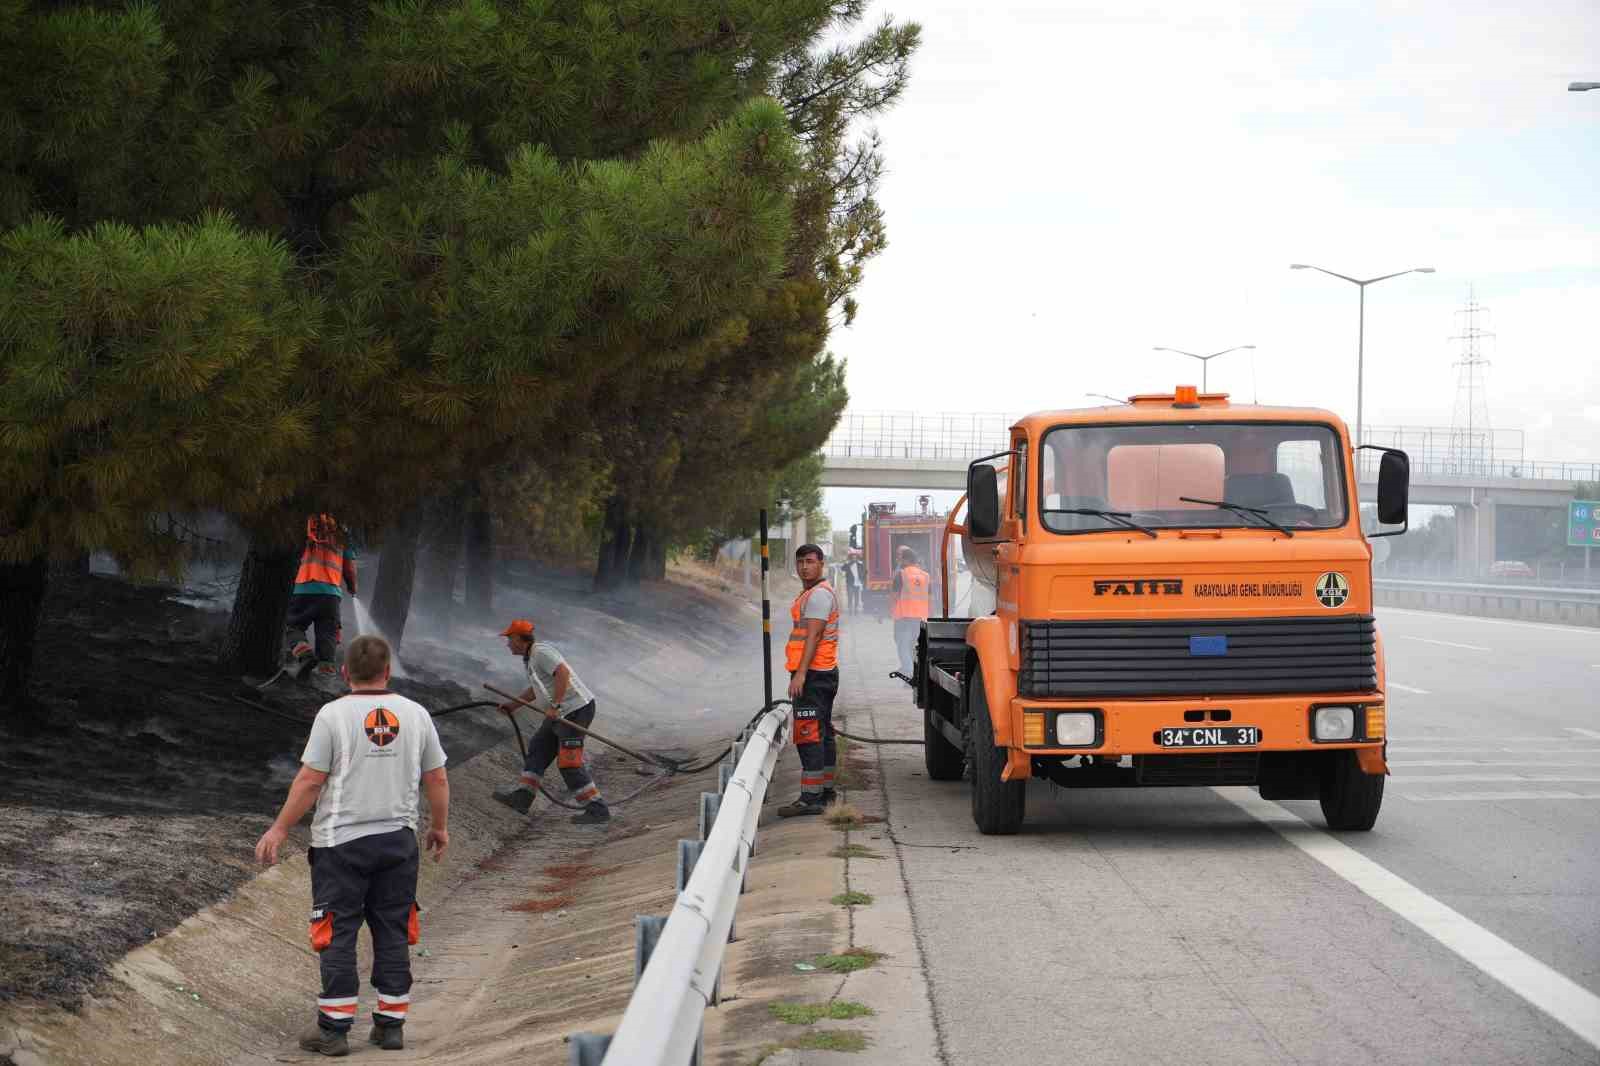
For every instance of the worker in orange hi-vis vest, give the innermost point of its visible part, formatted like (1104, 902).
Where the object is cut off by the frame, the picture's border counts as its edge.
(912, 599)
(327, 571)
(812, 658)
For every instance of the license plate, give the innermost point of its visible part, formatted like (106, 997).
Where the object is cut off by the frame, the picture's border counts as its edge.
(1210, 736)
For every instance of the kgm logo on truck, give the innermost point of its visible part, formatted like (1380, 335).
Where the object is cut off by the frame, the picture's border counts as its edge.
(1333, 589)
(1139, 586)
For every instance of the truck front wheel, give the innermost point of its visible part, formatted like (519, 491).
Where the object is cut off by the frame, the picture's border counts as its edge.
(1350, 798)
(997, 806)
(944, 760)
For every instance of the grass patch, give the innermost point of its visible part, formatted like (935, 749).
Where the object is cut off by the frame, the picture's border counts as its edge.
(851, 899)
(848, 777)
(540, 906)
(810, 1013)
(827, 1040)
(849, 961)
(854, 851)
(843, 816)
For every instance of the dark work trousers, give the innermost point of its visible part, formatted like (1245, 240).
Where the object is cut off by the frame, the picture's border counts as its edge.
(813, 732)
(371, 879)
(906, 631)
(321, 610)
(563, 745)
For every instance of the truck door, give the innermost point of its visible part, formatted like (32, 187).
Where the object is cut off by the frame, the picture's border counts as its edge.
(1008, 582)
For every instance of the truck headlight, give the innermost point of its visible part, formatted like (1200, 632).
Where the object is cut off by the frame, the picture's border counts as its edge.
(1333, 723)
(1076, 729)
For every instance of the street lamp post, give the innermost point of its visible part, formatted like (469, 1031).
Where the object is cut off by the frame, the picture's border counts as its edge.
(1205, 360)
(1361, 322)
(1582, 86)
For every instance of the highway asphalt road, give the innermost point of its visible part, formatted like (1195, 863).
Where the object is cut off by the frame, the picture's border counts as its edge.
(1209, 926)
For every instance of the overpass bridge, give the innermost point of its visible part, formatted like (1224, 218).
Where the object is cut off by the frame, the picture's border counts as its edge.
(1474, 474)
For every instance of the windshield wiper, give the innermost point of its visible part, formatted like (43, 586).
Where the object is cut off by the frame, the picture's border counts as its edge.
(1121, 518)
(1240, 509)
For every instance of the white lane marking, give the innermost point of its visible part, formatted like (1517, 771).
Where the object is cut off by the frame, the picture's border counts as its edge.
(1558, 996)
(1491, 764)
(1590, 734)
(1497, 797)
(1522, 779)
(1408, 688)
(1478, 751)
(1447, 643)
(1590, 630)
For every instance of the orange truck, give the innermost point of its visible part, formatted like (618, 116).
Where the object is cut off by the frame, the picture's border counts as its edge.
(1183, 596)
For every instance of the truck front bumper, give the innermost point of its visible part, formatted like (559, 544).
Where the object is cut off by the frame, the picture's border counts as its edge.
(1207, 724)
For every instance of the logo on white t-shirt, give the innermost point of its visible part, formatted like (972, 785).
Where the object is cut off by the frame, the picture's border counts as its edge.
(382, 726)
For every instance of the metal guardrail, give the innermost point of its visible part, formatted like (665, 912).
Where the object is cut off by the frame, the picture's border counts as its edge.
(1527, 592)
(678, 959)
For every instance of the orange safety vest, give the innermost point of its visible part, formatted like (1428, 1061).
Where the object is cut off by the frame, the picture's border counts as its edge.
(323, 560)
(915, 599)
(826, 656)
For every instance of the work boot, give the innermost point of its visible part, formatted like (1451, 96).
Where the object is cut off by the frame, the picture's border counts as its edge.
(596, 813)
(806, 804)
(329, 1042)
(390, 1037)
(517, 798)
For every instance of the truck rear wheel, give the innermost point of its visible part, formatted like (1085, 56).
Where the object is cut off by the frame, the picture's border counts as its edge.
(1350, 798)
(997, 806)
(944, 760)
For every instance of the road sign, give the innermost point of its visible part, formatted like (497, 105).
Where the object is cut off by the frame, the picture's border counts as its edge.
(1583, 524)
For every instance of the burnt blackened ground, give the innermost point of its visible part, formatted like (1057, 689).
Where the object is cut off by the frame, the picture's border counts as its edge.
(132, 795)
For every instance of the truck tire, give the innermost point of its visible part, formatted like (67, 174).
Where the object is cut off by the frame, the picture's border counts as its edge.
(997, 806)
(1350, 798)
(944, 760)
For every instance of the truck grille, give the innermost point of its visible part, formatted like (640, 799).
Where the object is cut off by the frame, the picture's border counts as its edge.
(1242, 768)
(1134, 657)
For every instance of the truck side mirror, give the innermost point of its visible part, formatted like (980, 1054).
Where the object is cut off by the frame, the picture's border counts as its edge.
(1394, 489)
(983, 501)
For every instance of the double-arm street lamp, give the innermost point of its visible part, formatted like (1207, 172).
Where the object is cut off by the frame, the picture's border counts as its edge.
(1361, 321)
(1205, 360)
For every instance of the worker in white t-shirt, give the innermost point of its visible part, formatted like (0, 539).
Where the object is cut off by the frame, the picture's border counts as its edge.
(558, 690)
(368, 756)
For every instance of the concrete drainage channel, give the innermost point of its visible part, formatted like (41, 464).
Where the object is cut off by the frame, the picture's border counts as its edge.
(678, 958)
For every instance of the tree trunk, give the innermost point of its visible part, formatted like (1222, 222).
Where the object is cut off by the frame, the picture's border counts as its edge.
(22, 587)
(480, 560)
(656, 570)
(440, 558)
(397, 571)
(639, 553)
(616, 539)
(254, 641)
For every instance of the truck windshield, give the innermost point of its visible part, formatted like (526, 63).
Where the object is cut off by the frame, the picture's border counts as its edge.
(1289, 473)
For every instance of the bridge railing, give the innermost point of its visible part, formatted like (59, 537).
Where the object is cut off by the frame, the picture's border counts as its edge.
(1437, 453)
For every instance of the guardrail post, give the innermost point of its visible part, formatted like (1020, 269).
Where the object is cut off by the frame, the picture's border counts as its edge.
(587, 1049)
(710, 803)
(646, 931)
(724, 775)
(688, 855)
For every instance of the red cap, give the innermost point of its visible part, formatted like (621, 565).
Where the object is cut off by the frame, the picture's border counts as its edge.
(520, 627)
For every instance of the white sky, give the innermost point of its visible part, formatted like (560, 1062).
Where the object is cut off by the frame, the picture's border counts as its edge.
(1072, 183)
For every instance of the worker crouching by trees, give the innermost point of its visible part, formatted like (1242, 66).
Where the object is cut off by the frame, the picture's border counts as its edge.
(327, 571)
(812, 659)
(912, 599)
(377, 748)
(567, 699)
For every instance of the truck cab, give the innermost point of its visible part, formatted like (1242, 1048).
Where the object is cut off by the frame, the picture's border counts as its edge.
(1183, 596)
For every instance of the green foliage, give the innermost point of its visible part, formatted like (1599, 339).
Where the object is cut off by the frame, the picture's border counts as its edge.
(851, 899)
(811, 1013)
(848, 961)
(142, 370)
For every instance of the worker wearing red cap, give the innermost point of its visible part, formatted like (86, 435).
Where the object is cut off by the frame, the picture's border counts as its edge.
(562, 695)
